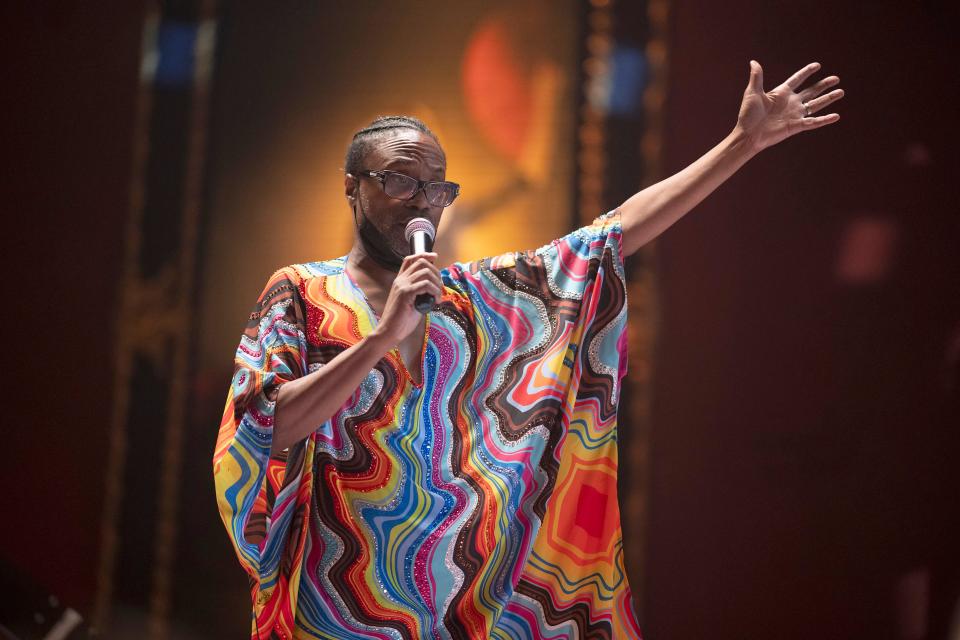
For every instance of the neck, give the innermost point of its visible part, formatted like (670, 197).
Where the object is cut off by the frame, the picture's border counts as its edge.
(367, 272)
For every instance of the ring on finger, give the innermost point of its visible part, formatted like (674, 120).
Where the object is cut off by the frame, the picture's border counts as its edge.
(806, 109)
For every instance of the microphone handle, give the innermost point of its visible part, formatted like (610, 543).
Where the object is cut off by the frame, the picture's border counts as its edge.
(420, 243)
(424, 302)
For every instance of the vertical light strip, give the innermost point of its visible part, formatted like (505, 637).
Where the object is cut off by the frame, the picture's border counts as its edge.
(125, 329)
(644, 309)
(591, 158)
(166, 525)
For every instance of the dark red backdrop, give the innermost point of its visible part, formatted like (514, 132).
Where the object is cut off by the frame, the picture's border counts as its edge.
(805, 445)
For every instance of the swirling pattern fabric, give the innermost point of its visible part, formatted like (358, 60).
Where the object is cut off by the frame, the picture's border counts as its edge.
(480, 502)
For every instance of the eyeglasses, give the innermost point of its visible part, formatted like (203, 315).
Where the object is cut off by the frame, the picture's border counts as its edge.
(403, 187)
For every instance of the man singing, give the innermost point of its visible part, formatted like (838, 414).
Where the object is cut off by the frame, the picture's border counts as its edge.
(385, 472)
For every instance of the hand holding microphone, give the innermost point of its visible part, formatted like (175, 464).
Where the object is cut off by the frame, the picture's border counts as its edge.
(415, 289)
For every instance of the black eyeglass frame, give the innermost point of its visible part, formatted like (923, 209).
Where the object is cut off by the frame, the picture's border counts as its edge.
(381, 177)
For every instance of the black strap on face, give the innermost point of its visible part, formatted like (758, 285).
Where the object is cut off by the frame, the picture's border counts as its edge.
(374, 244)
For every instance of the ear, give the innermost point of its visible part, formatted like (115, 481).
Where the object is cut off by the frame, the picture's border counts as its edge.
(350, 184)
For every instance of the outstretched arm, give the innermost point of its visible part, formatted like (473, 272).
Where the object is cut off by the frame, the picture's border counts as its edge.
(765, 119)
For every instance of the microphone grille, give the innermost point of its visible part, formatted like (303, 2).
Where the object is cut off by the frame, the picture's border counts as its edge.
(419, 224)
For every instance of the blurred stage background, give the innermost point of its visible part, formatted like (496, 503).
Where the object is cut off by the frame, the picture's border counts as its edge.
(789, 446)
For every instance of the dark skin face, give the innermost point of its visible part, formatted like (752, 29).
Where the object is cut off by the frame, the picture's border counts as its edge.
(406, 151)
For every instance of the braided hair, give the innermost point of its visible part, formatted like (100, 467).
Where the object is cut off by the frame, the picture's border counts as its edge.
(364, 140)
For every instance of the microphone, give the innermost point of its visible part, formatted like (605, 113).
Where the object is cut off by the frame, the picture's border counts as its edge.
(420, 233)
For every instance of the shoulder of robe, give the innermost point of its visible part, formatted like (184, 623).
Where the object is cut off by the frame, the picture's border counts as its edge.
(286, 283)
(297, 273)
(294, 276)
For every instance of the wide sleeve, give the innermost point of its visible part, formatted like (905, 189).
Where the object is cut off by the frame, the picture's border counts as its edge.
(586, 306)
(263, 500)
(548, 323)
(582, 263)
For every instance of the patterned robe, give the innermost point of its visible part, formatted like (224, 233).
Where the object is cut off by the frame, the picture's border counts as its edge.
(481, 503)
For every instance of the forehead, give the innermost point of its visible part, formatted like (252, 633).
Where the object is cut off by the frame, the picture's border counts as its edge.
(408, 146)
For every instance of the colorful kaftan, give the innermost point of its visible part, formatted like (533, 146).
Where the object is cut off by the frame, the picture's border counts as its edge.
(480, 503)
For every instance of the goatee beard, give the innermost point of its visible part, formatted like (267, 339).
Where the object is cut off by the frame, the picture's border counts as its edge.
(375, 244)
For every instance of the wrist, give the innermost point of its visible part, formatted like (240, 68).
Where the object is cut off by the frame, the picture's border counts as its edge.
(379, 340)
(742, 143)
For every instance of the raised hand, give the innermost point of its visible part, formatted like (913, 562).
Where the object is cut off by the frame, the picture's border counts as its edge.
(768, 117)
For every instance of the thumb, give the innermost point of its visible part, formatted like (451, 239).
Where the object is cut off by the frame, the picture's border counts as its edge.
(756, 76)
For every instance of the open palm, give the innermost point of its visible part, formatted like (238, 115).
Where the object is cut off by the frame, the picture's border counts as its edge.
(768, 117)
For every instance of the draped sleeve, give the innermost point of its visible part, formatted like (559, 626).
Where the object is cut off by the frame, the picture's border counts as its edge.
(546, 332)
(263, 499)
(585, 268)
(549, 309)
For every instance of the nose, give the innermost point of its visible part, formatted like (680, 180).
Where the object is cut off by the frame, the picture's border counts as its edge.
(419, 200)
